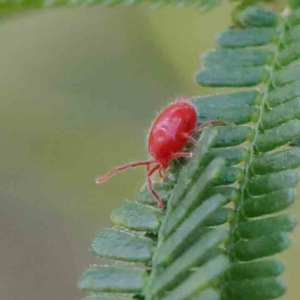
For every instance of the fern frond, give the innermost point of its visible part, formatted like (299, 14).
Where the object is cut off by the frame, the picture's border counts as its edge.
(223, 222)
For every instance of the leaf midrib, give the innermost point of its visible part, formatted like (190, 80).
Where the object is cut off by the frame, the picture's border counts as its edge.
(243, 186)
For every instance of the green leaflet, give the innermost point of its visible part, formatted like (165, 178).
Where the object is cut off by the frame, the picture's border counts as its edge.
(278, 136)
(229, 175)
(257, 289)
(226, 58)
(136, 216)
(108, 279)
(220, 107)
(228, 192)
(257, 228)
(243, 113)
(219, 217)
(293, 35)
(269, 203)
(233, 135)
(250, 97)
(258, 269)
(276, 161)
(283, 113)
(253, 16)
(278, 96)
(264, 184)
(122, 245)
(216, 77)
(286, 75)
(289, 54)
(238, 38)
(232, 156)
(263, 246)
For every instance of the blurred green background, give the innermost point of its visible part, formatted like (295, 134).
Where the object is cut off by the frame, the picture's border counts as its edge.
(79, 88)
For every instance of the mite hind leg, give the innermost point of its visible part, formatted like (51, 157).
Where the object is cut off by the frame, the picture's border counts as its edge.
(183, 155)
(150, 185)
(162, 173)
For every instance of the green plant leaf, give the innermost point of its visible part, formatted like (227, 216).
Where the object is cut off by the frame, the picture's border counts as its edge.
(140, 217)
(223, 219)
(122, 245)
(112, 279)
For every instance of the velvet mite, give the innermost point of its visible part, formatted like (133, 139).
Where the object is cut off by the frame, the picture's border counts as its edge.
(168, 135)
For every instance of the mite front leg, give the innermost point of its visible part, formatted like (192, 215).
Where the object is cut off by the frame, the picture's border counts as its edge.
(202, 125)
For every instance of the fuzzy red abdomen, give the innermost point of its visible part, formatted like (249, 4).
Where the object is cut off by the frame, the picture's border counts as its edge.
(169, 133)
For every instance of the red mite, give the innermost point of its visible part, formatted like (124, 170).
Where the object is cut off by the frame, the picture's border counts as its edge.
(169, 134)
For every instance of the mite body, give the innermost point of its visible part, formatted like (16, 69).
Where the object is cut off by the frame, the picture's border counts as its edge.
(168, 136)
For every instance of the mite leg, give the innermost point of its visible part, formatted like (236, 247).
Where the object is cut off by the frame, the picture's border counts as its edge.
(155, 194)
(193, 141)
(183, 154)
(124, 167)
(202, 125)
(190, 139)
(161, 172)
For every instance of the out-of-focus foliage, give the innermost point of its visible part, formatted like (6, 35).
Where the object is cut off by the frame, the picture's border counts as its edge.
(9, 6)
